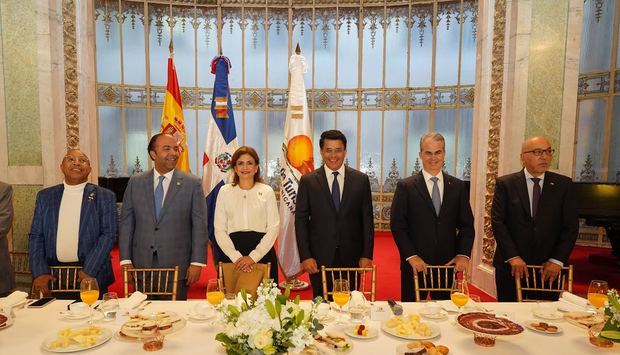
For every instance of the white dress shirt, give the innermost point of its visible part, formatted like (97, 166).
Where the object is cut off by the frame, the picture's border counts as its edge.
(239, 210)
(330, 178)
(68, 231)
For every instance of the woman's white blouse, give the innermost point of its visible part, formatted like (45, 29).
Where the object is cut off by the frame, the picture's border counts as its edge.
(238, 210)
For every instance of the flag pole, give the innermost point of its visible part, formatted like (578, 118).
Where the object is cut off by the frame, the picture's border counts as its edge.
(293, 282)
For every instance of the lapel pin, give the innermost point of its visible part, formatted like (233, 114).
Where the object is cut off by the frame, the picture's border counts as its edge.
(552, 183)
(91, 196)
(178, 183)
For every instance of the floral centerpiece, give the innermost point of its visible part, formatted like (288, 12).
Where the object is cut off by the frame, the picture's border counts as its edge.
(611, 329)
(270, 324)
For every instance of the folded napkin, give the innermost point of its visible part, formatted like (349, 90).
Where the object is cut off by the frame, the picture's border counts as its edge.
(13, 299)
(572, 303)
(357, 299)
(133, 301)
(448, 306)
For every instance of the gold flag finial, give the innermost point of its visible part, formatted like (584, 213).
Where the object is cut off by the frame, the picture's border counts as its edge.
(171, 47)
(297, 49)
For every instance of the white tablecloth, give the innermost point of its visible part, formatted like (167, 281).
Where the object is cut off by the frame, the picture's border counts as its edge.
(32, 326)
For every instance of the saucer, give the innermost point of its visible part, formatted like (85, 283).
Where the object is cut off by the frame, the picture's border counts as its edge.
(73, 316)
(548, 315)
(200, 317)
(437, 316)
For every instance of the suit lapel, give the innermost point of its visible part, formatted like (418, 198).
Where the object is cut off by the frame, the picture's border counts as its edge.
(175, 185)
(348, 180)
(448, 192)
(523, 194)
(149, 192)
(420, 184)
(88, 203)
(322, 179)
(55, 212)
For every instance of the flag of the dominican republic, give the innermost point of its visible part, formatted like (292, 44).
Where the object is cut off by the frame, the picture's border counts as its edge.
(172, 121)
(221, 142)
(298, 160)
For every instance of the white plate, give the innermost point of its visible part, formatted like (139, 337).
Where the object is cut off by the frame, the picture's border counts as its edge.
(105, 335)
(200, 317)
(325, 349)
(336, 307)
(548, 315)
(329, 317)
(372, 333)
(437, 316)
(175, 328)
(435, 332)
(8, 323)
(528, 325)
(73, 316)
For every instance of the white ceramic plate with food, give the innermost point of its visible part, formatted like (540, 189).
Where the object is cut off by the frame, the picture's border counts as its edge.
(543, 327)
(435, 332)
(73, 346)
(353, 333)
(408, 348)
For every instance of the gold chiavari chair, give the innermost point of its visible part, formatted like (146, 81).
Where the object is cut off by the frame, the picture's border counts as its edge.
(152, 281)
(66, 280)
(233, 280)
(438, 278)
(21, 267)
(533, 282)
(356, 277)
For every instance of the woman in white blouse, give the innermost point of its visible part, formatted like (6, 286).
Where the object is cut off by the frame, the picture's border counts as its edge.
(246, 216)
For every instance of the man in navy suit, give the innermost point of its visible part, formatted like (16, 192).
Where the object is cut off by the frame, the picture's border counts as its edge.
(333, 219)
(74, 223)
(431, 219)
(534, 219)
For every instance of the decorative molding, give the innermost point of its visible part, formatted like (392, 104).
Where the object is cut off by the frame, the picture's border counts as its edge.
(495, 118)
(71, 78)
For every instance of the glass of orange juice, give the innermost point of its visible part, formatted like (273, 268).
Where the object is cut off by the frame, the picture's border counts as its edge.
(597, 293)
(215, 292)
(341, 295)
(89, 293)
(460, 291)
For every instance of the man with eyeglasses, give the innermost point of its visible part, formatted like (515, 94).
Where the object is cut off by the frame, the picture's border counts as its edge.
(431, 219)
(75, 223)
(534, 219)
(333, 218)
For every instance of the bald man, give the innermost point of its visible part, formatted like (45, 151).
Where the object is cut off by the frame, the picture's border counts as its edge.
(534, 219)
(75, 223)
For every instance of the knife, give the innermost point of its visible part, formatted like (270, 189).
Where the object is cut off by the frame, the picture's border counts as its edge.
(396, 308)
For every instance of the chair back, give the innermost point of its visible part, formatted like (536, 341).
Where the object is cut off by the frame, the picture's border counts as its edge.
(533, 282)
(357, 280)
(152, 281)
(437, 278)
(66, 281)
(21, 262)
(233, 280)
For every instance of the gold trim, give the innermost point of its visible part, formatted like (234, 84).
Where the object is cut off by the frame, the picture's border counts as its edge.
(72, 115)
(495, 119)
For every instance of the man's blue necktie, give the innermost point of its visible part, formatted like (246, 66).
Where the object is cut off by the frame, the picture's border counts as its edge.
(159, 196)
(435, 195)
(336, 191)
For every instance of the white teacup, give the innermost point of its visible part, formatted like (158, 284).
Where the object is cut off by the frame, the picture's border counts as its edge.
(79, 308)
(202, 309)
(432, 308)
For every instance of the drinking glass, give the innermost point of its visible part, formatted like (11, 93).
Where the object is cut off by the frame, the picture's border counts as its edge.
(109, 306)
(215, 292)
(597, 293)
(341, 295)
(89, 293)
(460, 291)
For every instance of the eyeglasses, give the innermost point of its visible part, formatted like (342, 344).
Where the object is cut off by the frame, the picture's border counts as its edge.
(539, 152)
(80, 160)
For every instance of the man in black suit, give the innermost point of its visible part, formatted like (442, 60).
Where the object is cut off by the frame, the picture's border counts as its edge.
(333, 218)
(534, 218)
(431, 219)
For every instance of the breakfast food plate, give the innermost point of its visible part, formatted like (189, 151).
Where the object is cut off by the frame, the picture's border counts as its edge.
(75, 339)
(5, 321)
(332, 342)
(584, 319)
(488, 323)
(543, 327)
(142, 326)
(410, 328)
(361, 331)
(422, 347)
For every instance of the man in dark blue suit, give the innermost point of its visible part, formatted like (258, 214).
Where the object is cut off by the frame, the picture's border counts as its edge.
(74, 223)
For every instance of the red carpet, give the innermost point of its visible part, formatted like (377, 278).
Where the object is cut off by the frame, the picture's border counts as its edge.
(386, 258)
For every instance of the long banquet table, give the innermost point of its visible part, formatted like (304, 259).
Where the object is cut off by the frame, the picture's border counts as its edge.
(32, 326)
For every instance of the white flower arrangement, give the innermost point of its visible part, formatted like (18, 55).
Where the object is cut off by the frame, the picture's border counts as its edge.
(271, 324)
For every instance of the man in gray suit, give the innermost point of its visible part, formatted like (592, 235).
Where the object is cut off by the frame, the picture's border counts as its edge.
(7, 278)
(163, 219)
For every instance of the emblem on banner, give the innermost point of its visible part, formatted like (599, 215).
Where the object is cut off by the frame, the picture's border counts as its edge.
(221, 107)
(223, 162)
